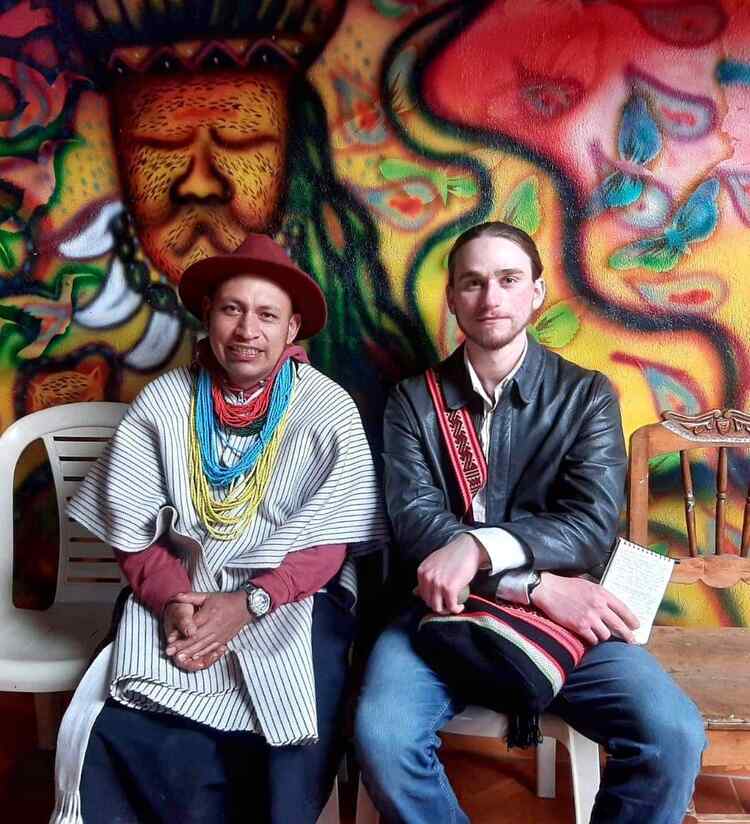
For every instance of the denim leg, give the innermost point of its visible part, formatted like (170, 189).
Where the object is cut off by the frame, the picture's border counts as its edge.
(620, 697)
(402, 706)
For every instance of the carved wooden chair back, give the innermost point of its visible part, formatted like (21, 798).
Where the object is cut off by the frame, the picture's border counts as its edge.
(711, 664)
(720, 430)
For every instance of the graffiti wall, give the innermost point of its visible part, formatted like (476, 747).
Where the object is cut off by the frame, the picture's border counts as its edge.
(138, 137)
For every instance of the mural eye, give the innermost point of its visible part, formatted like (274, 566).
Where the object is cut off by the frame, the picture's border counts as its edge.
(165, 64)
(219, 59)
(120, 68)
(550, 98)
(266, 57)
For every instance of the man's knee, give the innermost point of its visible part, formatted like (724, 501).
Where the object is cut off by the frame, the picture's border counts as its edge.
(675, 737)
(681, 735)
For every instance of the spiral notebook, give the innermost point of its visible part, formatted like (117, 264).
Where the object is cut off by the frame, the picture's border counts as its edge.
(639, 578)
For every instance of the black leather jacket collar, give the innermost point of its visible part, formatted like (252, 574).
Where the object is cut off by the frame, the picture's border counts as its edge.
(456, 383)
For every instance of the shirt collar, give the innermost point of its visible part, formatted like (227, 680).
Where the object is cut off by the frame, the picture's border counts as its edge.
(457, 388)
(476, 383)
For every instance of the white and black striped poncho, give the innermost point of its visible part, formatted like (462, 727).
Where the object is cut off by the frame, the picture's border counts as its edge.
(323, 490)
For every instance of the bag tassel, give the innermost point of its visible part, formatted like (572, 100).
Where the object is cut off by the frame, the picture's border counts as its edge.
(523, 730)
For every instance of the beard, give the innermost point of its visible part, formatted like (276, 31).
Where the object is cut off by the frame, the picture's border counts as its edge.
(192, 233)
(493, 339)
(217, 227)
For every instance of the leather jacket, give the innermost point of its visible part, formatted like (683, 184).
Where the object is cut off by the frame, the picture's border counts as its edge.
(556, 464)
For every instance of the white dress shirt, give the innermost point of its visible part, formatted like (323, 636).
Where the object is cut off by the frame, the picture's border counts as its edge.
(504, 550)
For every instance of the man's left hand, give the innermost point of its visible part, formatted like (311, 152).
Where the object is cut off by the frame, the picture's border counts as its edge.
(219, 617)
(584, 607)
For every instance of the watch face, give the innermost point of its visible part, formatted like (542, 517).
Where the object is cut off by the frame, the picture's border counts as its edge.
(259, 601)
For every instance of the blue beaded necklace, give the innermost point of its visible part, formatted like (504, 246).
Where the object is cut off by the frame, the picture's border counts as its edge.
(207, 430)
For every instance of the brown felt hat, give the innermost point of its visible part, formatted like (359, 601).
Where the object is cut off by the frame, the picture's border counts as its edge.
(257, 255)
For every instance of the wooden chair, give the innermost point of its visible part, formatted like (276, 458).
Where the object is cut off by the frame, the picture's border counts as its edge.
(711, 665)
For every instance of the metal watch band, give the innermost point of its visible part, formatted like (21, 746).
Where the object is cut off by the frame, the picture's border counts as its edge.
(532, 583)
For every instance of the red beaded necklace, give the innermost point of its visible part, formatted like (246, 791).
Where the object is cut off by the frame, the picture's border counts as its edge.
(241, 415)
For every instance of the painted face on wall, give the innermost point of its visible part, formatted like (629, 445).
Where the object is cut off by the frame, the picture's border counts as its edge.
(250, 322)
(493, 294)
(201, 158)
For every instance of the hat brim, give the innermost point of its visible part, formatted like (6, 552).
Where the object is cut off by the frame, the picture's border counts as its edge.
(203, 277)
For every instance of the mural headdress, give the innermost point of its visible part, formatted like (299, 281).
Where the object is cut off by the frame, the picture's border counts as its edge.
(169, 35)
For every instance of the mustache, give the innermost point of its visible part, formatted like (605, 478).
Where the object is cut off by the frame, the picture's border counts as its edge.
(217, 225)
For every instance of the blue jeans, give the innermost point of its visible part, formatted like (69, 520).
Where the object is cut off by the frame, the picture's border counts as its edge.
(619, 696)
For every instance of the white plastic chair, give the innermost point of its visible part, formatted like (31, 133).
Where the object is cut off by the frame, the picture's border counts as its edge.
(486, 723)
(46, 651)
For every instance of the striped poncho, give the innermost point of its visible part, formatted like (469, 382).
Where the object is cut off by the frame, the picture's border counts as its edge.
(323, 490)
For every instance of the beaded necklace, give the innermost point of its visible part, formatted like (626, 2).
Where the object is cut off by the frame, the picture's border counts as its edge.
(247, 480)
(242, 416)
(245, 418)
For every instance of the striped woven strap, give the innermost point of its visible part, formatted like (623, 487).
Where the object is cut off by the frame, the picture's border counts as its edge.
(531, 617)
(462, 443)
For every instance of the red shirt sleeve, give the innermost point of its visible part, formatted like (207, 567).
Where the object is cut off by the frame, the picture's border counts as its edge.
(155, 575)
(301, 573)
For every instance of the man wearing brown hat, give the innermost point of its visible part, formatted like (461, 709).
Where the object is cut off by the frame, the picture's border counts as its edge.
(235, 494)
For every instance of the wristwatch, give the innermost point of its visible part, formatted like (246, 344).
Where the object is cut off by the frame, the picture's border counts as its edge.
(532, 582)
(258, 600)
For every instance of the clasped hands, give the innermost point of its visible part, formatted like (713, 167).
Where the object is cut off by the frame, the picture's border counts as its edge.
(581, 606)
(198, 625)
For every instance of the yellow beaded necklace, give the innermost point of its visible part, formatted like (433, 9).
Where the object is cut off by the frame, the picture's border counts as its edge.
(229, 517)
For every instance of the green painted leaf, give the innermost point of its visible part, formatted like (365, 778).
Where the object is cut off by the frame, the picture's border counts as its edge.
(462, 186)
(660, 548)
(395, 169)
(664, 464)
(7, 258)
(557, 326)
(440, 180)
(655, 254)
(387, 9)
(670, 608)
(522, 209)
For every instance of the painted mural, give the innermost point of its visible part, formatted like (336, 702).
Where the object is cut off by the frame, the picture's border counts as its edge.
(136, 137)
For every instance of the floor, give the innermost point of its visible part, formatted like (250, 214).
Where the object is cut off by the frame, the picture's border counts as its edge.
(493, 787)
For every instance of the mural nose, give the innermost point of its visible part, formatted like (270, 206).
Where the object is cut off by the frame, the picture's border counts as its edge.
(203, 180)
